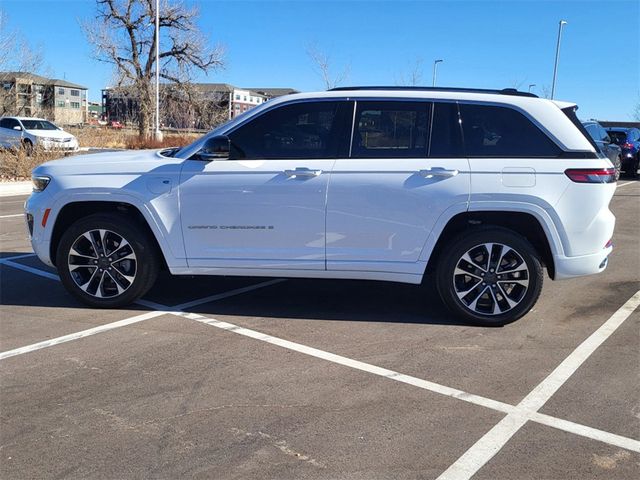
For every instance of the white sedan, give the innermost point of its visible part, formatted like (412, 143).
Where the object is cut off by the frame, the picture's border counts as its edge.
(16, 132)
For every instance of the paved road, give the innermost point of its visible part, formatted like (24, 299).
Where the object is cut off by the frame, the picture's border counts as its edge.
(318, 379)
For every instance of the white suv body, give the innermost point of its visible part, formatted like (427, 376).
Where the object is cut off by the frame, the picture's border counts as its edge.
(479, 187)
(27, 132)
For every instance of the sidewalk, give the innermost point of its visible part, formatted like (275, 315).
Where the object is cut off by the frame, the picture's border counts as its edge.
(8, 189)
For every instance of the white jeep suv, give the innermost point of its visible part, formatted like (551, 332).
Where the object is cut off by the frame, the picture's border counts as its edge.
(480, 187)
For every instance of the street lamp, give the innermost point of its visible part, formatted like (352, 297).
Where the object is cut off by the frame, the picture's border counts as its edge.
(555, 68)
(158, 133)
(531, 85)
(435, 69)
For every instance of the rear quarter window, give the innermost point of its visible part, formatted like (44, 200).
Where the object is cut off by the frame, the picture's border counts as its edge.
(492, 131)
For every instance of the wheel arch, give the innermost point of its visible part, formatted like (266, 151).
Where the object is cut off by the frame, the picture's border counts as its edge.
(74, 211)
(524, 223)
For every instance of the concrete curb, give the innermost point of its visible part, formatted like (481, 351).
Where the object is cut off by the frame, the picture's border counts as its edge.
(8, 189)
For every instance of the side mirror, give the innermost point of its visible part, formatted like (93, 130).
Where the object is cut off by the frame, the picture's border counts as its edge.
(17, 127)
(215, 147)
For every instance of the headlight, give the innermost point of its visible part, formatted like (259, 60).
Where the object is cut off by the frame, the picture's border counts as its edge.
(40, 182)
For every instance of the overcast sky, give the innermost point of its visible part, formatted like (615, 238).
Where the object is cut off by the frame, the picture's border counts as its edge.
(484, 44)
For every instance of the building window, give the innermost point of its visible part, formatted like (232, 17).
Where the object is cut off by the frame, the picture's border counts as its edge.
(75, 104)
(75, 93)
(245, 98)
(237, 97)
(60, 91)
(60, 103)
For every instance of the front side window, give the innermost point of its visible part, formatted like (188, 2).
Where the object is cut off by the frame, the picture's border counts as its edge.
(491, 131)
(390, 129)
(301, 130)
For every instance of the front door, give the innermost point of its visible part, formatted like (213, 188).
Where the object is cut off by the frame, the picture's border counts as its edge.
(265, 206)
(405, 169)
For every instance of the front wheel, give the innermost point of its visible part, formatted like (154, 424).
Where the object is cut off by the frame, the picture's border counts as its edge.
(105, 260)
(491, 276)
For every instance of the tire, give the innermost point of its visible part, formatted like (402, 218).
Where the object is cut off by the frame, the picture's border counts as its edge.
(28, 147)
(473, 295)
(101, 270)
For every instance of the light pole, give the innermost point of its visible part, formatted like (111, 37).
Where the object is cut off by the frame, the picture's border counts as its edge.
(157, 133)
(435, 69)
(531, 85)
(555, 67)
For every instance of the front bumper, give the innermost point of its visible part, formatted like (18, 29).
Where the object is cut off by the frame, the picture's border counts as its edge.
(39, 235)
(570, 267)
(71, 146)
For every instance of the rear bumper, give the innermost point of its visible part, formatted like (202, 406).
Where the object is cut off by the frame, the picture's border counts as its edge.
(570, 267)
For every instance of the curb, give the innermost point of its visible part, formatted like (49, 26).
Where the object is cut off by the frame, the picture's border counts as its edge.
(8, 189)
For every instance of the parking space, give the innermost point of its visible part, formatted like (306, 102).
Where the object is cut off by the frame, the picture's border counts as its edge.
(271, 378)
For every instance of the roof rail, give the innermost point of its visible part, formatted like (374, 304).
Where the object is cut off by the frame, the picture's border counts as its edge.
(504, 91)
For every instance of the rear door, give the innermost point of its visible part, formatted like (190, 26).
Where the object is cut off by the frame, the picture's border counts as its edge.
(385, 198)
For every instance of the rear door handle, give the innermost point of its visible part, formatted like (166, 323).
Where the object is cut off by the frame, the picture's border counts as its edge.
(437, 172)
(302, 172)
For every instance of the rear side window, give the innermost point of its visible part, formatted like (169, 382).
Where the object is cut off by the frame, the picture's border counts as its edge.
(390, 129)
(491, 131)
(302, 130)
(618, 137)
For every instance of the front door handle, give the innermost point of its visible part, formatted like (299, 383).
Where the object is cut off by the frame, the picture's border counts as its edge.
(437, 172)
(302, 172)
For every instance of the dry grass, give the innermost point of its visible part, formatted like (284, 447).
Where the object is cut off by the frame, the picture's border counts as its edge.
(103, 137)
(16, 165)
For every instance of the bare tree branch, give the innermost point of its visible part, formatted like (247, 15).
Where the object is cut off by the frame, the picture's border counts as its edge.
(322, 66)
(123, 35)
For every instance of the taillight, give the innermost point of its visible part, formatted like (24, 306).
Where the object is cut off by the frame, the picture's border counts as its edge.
(627, 145)
(591, 175)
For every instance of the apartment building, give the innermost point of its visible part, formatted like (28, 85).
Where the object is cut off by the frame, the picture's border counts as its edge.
(30, 95)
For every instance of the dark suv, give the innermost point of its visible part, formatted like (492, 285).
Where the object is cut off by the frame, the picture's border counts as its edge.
(629, 141)
(604, 143)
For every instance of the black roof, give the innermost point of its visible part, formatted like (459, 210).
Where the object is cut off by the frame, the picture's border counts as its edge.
(504, 91)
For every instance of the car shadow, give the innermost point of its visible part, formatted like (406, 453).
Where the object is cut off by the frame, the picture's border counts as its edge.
(296, 299)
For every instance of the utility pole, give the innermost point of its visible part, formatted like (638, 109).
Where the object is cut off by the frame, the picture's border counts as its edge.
(555, 68)
(157, 133)
(435, 69)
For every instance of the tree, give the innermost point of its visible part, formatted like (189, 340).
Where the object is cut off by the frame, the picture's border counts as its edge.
(123, 35)
(414, 76)
(322, 66)
(16, 55)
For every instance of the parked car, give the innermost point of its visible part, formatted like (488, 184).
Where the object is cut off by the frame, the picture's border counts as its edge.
(477, 189)
(629, 141)
(116, 125)
(29, 133)
(602, 140)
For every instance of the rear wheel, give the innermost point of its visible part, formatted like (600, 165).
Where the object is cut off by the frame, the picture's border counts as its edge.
(618, 166)
(104, 260)
(491, 276)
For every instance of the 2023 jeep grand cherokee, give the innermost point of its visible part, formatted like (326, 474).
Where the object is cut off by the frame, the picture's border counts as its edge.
(482, 188)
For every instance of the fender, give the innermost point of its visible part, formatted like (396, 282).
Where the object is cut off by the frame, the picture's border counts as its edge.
(164, 229)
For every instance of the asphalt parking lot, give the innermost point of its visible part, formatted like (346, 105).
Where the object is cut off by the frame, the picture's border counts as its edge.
(240, 378)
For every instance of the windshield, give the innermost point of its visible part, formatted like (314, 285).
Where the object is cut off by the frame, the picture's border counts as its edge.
(38, 125)
(618, 137)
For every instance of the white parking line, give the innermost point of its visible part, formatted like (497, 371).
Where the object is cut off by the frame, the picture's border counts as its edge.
(486, 447)
(84, 333)
(157, 309)
(517, 415)
(491, 443)
(12, 216)
(620, 185)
